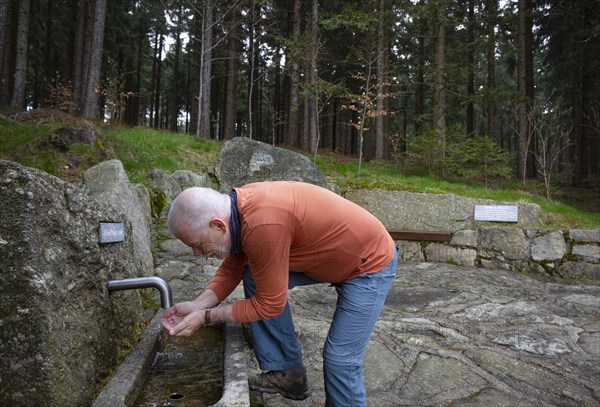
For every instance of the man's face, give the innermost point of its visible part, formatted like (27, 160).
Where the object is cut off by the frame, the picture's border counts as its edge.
(215, 243)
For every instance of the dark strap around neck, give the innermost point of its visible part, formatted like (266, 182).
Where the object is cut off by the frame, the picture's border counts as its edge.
(234, 225)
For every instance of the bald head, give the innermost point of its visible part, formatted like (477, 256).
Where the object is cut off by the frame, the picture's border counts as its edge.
(194, 208)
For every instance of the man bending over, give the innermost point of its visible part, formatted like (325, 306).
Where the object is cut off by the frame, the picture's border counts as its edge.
(274, 236)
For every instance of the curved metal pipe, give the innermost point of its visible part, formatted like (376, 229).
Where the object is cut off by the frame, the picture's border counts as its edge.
(166, 299)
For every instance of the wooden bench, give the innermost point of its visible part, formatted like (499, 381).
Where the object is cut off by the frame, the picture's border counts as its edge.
(420, 235)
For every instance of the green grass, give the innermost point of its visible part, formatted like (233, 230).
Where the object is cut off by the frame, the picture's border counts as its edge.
(23, 143)
(141, 150)
(384, 175)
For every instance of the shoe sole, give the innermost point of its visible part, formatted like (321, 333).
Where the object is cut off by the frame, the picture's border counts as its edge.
(270, 390)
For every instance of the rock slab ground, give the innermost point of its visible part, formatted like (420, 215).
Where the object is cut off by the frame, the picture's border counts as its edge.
(449, 335)
(466, 336)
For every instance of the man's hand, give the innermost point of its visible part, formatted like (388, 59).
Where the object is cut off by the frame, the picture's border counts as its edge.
(182, 319)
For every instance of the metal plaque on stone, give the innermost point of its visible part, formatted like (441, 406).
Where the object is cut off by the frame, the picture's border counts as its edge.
(496, 213)
(112, 232)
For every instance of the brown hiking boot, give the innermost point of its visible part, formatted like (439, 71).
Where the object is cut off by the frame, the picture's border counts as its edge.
(291, 383)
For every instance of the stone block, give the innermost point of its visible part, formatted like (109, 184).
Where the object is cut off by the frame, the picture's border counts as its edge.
(549, 247)
(588, 252)
(442, 253)
(465, 237)
(580, 269)
(510, 243)
(585, 235)
(409, 251)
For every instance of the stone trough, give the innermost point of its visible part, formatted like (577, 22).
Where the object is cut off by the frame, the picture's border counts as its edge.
(126, 385)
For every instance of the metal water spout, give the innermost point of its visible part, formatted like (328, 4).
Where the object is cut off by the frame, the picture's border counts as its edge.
(166, 300)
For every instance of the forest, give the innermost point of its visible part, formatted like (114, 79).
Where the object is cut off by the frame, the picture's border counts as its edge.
(473, 88)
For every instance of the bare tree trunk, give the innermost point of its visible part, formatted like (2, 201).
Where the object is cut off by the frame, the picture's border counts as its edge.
(306, 116)
(78, 57)
(203, 125)
(48, 68)
(333, 141)
(152, 82)
(420, 85)
(93, 60)
(207, 41)
(7, 30)
(471, 70)
(157, 81)
(233, 55)
(194, 70)
(439, 97)
(313, 108)
(525, 89)
(132, 111)
(586, 123)
(18, 94)
(253, 58)
(3, 31)
(174, 97)
(381, 115)
(277, 102)
(294, 104)
(491, 69)
(363, 112)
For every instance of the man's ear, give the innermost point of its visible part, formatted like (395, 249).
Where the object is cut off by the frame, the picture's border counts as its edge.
(218, 223)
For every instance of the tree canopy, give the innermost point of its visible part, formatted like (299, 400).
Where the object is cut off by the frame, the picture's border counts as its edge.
(372, 78)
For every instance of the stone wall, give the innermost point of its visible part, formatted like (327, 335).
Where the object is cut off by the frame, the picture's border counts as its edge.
(573, 253)
(399, 210)
(522, 246)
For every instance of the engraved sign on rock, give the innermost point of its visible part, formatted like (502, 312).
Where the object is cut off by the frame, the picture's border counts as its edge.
(111, 232)
(259, 160)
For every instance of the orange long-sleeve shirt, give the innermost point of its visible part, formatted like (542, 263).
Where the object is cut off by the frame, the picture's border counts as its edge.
(294, 226)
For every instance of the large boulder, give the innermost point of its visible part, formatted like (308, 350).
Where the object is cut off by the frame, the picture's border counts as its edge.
(109, 183)
(432, 212)
(243, 161)
(60, 329)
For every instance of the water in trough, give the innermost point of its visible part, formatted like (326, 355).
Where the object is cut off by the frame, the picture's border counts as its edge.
(186, 371)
